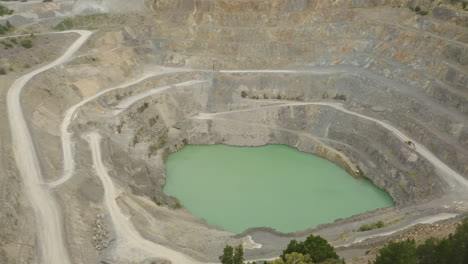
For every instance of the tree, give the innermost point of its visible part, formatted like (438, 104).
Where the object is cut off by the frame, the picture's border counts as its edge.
(398, 253)
(232, 255)
(238, 255)
(458, 245)
(227, 257)
(315, 246)
(427, 252)
(451, 250)
(294, 258)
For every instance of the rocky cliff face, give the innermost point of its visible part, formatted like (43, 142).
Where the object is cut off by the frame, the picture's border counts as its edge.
(421, 60)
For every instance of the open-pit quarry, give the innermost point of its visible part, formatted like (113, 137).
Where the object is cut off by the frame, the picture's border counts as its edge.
(108, 91)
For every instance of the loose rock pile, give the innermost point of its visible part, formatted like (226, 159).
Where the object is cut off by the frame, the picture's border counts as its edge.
(101, 237)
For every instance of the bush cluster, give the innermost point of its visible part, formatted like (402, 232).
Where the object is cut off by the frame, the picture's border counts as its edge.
(372, 226)
(6, 28)
(5, 11)
(314, 249)
(451, 250)
(418, 10)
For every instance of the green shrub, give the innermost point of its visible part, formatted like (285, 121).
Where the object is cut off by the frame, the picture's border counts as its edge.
(26, 43)
(423, 12)
(6, 28)
(156, 201)
(176, 206)
(5, 11)
(2, 71)
(13, 40)
(372, 226)
(66, 24)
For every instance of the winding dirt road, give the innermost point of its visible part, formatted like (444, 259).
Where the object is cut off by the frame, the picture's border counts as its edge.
(66, 136)
(125, 231)
(50, 240)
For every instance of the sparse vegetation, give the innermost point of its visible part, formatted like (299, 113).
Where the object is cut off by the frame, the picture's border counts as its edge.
(26, 43)
(5, 11)
(157, 201)
(91, 22)
(418, 10)
(372, 226)
(152, 121)
(176, 206)
(66, 24)
(142, 108)
(244, 94)
(2, 71)
(340, 97)
(6, 45)
(6, 28)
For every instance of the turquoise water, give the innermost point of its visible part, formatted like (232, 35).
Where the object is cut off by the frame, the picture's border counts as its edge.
(275, 186)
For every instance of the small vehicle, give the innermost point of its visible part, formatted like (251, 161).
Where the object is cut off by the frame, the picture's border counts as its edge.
(410, 143)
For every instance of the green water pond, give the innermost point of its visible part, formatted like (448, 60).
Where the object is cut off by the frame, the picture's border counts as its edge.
(275, 186)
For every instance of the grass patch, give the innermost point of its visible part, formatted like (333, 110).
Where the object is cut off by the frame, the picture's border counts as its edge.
(176, 206)
(158, 202)
(6, 28)
(5, 11)
(142, 108)
(372, 226)
(338, 96)
(26, 43)
(93, 21)
(418, 10)
(66, 24)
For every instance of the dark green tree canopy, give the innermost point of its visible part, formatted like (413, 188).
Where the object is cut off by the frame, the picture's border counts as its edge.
(232, 255)
(451, 250)
(315, 246)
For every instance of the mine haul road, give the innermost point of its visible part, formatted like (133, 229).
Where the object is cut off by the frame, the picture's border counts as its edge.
(50, 240)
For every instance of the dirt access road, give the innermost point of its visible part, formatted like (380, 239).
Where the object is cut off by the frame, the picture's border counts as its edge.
(50, 239)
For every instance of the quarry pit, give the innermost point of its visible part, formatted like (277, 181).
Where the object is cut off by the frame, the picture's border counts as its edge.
(372, 86)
